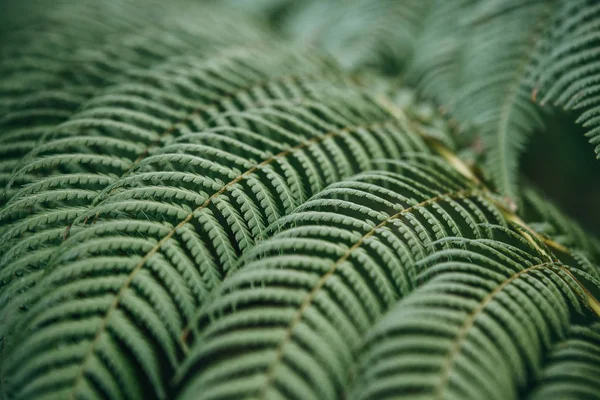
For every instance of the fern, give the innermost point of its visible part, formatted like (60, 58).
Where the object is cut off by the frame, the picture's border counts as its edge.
(147, 247)
(291, 319)
(194, 209)
(501, 308)
(569, 77)
(496, 83)
(572, 371)
(485, 62)
(109, 142)
(44, 82)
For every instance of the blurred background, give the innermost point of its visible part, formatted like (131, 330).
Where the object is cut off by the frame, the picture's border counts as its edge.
(561, 163)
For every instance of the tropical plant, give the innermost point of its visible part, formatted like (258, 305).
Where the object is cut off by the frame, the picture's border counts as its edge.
(573, 366)
(491, 64)
(193, 207)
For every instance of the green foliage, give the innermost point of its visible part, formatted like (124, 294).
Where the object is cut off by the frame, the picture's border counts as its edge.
(361, 34)
(485, 73)
(194, 209)
(489, 63)
(232, 122)
(44, 81)
(477, 329)
(569, 76)
(573, 368)
(149, 194)
(291, 320)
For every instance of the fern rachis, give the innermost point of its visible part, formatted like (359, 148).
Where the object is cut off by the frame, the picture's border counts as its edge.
(214, 214)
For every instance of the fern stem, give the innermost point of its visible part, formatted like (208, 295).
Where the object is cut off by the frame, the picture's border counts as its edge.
(533, 237)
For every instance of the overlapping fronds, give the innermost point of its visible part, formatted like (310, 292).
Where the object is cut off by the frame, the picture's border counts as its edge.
(108, 143)
(193, 209)
(291, 320)
(475, 58)
(479, 328)
(485, 62)
(145, 224)
(68, 47)
(573, 368)
(43, 81)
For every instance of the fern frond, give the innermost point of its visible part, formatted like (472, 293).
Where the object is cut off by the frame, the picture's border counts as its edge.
(494, 95)
(570, 75)
(477, 329)
(102, 143)
(486, 63)
(32, 107)
(193, 209)
(159, 238)
(291, 320)
(573, 367)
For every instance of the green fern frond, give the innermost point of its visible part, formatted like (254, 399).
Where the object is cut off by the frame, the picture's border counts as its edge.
(573, 367)
(570, 76)
(477, 329)
(498, 46)
(173, 220)
(485, 62)
(111, 142)
(193, 209)
(477, 59)
(293, 317)
(74, 67)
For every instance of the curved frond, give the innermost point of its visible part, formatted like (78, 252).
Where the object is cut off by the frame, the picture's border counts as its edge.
(190, 208)
(477, 329)
(118, 132)
(490, 64)
(570, 75)
(292, 318)
(500, 44)
(149, 247)
(75, 65)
